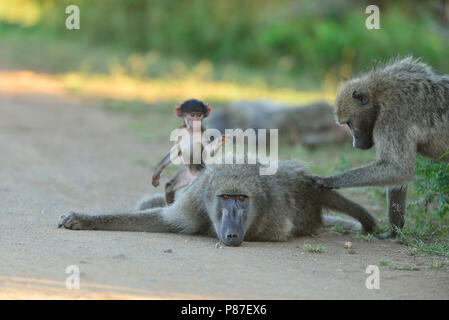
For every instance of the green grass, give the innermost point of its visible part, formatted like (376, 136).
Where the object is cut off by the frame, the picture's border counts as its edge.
(279, 36)
(427, 223)
(314, 249)
(439, 265)
(365, 237)
(61, 55)
(404, 267)
(340, 229)
(384, 262)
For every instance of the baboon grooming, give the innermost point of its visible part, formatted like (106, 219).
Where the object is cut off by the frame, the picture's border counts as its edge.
(402, 109)
(235, 203)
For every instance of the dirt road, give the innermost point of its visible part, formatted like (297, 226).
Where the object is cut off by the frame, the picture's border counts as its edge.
(61, 154)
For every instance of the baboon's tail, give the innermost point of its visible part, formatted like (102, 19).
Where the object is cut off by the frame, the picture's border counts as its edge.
(335, 201)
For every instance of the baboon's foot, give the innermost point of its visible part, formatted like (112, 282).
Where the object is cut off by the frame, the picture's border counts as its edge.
(387, 235)
(72, 220)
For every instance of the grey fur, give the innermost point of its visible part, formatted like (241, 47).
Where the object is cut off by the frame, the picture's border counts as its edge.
(402, 108)
(151, 202)
(281, 206)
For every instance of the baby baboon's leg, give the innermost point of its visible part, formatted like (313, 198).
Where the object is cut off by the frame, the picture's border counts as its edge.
(181, 179)
(396, 199)
(149, 202)
(169, 192)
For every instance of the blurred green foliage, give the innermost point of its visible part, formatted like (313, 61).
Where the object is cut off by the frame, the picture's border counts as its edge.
(300, 36)
(432, 186)
(427, 227)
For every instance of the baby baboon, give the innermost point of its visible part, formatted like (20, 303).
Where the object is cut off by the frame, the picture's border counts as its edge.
(311, 125)
(193, 112)
(402, 109)
(235, 203)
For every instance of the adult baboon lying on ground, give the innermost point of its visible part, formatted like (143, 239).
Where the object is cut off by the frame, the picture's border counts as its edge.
(236, 203)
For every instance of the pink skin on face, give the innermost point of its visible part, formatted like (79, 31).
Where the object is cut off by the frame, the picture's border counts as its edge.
(193, 116)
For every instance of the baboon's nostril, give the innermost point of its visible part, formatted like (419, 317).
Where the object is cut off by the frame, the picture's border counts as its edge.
(231, 235)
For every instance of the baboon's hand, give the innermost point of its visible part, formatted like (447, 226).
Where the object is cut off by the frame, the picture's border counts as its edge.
(325, 182)
(72, 220)
(155, 180)
(319, 182)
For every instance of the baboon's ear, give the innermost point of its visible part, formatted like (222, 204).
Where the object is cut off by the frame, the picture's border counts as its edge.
(178, 111)
(361, 97)
(208, 109)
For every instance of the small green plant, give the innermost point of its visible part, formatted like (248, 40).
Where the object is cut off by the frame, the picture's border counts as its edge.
(339, 229)
(314, 249)
(437, 265)
(444, 154)
(404, 267)
(427, 227)
(344, 164)
(432, 186)
(384, 262)
(365, 237)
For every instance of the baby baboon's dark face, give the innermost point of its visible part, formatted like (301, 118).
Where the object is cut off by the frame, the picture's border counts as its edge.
(356, 110)
(232, 211)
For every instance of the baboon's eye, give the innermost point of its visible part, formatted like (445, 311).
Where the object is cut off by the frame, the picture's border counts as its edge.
(241, 198)
(192, 115)
(226, 197)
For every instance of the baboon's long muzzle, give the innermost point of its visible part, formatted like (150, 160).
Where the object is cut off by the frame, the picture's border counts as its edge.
(231, 227)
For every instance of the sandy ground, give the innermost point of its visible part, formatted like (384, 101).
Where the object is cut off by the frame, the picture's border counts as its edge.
(61, 154)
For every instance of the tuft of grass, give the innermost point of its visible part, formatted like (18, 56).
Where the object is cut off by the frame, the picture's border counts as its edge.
(427, 227)
(339, 229)
(365, 237)
(425, 241)
(404, 267)
(384, 262)
(314, 249)
(437, 265)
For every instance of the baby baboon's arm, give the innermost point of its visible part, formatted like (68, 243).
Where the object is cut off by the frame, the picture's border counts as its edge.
(166, 160)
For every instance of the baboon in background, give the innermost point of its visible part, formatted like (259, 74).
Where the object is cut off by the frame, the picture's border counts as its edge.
(402, 108)
(311, 125)
(235, 203)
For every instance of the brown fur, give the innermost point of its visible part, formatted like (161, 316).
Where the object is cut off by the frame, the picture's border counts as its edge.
(281, 206)
(401, 108)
